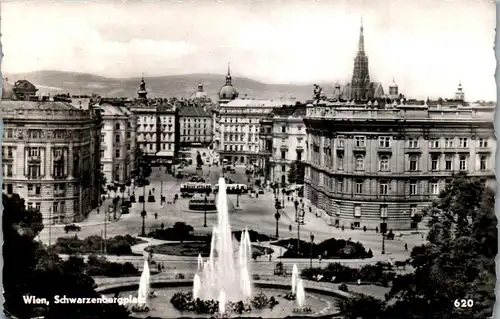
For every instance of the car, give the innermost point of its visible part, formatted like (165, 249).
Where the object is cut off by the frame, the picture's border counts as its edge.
(186, 195)
(72, 227)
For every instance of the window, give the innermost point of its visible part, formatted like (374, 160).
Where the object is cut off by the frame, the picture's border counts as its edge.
(34, 170)
(434, 143)
(117, 152)
(463, 163)
(359, 141)
(359, 187)
(58, 169)
(102, 137)
(357, 210)
(299, 155)
(383, 211)
(448, 143)
(360, 163)
(413, 210)
(101, 153)
(283, 168)
(38, 206)
(434, 188)
(7, 170)
(413, 188)
(34, 189)
(55, 207)
(463, 142)
(482, 163)
(384, 141)
(448, 163)
(117, 138)
(384, 164)
(412, 143)
(283, 155)
(117, 126)
(413, 163)
(283, 129)
(340, 185)
(483, 142)
(340, 141)
(340, 161)
(434, 163)
(384, 188)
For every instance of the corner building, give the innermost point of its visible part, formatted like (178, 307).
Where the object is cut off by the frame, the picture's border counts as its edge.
(377, 165)
(50, 155)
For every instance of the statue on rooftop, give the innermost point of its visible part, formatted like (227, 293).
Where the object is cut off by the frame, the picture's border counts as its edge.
(318, 93)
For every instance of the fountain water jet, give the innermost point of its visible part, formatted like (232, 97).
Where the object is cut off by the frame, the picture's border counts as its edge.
(295, 276)
(143, 292)
(196, 286)
(300, 295)
(221, 272)
(222, 302)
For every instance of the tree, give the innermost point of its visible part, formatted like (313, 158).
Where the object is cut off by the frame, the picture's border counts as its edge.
(458, 260)
(101, 181)
(31, 270)
(296, 173)
(362, 307)
(199, 160)
(144, 169)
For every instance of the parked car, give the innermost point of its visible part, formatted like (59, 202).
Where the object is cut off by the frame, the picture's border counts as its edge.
(72, 227)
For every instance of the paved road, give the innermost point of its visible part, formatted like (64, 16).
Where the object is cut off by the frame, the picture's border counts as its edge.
(252, 213)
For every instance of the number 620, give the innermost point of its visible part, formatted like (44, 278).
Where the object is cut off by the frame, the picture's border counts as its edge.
(463, 303)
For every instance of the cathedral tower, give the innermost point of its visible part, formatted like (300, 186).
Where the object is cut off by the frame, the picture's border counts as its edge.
(360, 85)
(142, 90)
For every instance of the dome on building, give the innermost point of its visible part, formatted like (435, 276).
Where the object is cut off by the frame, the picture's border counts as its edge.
(200, 94)
(228, 92)
(8, 91)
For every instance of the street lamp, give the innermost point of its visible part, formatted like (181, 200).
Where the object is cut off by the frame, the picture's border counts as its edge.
(299, 219)
(105, 230)
(384, 228)
(311, 252)
(277, 216)
(143, 215)
(238, 192)
(283, 192)
(296, 204)
(205, 208)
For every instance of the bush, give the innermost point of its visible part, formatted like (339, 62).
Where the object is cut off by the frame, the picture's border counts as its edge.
(254, 236)
(99, 266)
(343, 287)
(119, 245)
(328, 249)
(179, 232)
(379, 273)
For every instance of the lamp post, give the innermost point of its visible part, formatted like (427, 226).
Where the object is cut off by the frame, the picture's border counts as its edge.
(311, 251)
(283, 192)
(205, 208)
(383, 230)
(298, 232)
(50, 226)
(105, 248)
(277, 216)
(296, 204)
(238, 192)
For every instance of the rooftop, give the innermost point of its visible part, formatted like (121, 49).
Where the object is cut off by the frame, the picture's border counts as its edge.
(195, 111)
(258, 103)
(42, 110)
(114, 110)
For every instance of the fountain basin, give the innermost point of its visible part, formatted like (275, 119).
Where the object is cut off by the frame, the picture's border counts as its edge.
(321, 299)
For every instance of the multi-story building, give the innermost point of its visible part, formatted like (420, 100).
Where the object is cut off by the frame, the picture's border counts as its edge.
(118, 143)
(195, 125)
(157, 135)
(377, 164)
(50, 154)
(266, 146)
(288, 140)
(239, 122)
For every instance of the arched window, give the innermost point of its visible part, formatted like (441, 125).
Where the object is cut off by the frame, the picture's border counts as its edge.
(463, 163)
(384, 163)
(413, 163)
(360, 163)
(340, 161)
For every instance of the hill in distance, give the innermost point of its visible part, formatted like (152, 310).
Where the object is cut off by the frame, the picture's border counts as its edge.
(54, 82)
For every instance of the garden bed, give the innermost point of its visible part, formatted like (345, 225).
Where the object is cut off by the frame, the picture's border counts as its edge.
(193, 249)
(329, 249)
(118, 245)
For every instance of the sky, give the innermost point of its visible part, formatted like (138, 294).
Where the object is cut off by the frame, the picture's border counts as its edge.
(426, 46)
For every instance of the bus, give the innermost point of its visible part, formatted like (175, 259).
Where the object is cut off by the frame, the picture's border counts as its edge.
(196, 188)
(199, 203)
(234, 188)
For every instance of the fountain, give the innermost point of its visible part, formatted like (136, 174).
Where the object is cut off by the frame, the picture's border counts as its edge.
(221, 272)
(295, 276)
(300, 294)
(196, 286)
(143, 293)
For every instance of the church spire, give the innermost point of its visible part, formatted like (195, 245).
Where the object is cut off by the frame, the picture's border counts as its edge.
(228, 76)
(361, 45)
(142, 89)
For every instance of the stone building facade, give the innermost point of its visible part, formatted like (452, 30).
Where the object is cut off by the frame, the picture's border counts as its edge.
(378, 165)
(50, 156)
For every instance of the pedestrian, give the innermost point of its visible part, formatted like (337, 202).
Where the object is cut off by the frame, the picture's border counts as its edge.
(376, 229)
(406, 246)
(156, 215)
(290, 228)
(97, 210)
(364, 229)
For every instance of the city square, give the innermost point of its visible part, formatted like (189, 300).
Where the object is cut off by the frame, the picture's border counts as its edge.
(157, 169)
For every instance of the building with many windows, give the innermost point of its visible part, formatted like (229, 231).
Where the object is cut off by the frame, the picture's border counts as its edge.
(195, 125)
(239, 124)
(50, 154)
(377, 164)
(157, 136)
(118, 143)
(288, 140)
